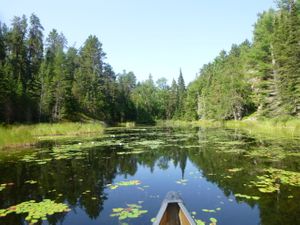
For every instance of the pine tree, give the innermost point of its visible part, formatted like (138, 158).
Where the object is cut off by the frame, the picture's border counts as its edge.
(4, 89)
(87, 89)
(173, 100)
(126, 83)
(262, 60)
(71, 65)
(53, 78)
(35, 57)
(292, 78)
(181, 94)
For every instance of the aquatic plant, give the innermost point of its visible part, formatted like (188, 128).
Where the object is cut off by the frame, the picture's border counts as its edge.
(238, 195)
(213, 221)
(27, 135)
(36, 210)
(271, 182)
(132, 211)
(199, 222)
(209, 210)
(124, 183)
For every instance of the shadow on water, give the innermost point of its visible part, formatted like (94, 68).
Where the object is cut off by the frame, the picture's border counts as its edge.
(207, 166)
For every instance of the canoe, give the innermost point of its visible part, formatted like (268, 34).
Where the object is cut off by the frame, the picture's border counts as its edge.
(173, 212)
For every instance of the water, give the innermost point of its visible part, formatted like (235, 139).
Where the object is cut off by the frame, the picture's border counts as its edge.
(208, 167)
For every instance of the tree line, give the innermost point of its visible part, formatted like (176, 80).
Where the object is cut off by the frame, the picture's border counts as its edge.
(46, 81)
(261, 78)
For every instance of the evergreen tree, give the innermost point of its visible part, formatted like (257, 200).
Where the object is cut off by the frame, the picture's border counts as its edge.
(181, 93)
(70, 103)
(35, 58)
(53, 78)
(87, 89)
(126, 83)
(4, 87)
(109, 91)
(172, 100)
(292, 78)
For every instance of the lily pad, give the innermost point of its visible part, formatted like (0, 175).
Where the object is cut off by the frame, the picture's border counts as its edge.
(153, 220)
(209, 210)
(246, 196)
(132, 211)
(124, 183)
(36, 210)
(199, 222)
(271, 181)
(213, 220)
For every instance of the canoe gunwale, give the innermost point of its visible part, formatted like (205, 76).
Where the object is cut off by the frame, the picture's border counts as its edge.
(173, 197)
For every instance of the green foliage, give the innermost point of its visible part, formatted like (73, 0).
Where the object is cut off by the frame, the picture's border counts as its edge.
(24, 135)
(226, 75)
(132, 211)
(263, 76)
(36, 210)
(124, 183)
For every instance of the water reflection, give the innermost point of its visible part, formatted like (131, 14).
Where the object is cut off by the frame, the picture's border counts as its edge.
(215, 163)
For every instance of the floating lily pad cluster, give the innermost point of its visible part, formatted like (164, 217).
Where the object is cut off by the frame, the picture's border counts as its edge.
(124, 183)
(211, 210)
(213, 221)
(286, 177)
(131, 152)
(271, 182)
(132, 211)
(238, 195)
(266, 184)
(66, 152)
(274, 154)
(36, 210)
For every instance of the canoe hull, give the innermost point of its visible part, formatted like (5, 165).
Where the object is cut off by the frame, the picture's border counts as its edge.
(173, 212)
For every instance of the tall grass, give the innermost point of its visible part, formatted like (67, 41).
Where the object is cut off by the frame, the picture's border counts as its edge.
(15, 135)
(270, 128)
(23, 135)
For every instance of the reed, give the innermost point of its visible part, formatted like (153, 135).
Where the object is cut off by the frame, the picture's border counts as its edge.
(26, 135)
(270, 128)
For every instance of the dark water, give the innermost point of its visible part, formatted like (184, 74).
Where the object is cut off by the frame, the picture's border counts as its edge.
(214, 164)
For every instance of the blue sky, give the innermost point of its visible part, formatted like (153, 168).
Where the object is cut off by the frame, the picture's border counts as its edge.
(143, 36)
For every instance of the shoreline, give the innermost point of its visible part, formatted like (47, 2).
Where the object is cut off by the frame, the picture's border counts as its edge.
(25, 136)
(267, 128)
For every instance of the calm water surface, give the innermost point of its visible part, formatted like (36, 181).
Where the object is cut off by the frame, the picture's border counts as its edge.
(208, 167)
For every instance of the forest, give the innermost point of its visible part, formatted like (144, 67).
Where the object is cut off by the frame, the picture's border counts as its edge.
(42, 79)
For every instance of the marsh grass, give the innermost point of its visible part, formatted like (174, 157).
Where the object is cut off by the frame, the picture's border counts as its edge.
(27, 135)
(272, 128)
(15, 136)
(267, 128)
